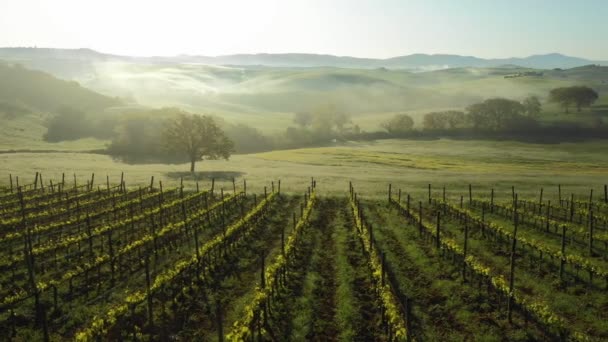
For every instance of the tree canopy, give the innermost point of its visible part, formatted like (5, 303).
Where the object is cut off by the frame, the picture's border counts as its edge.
(399, 123)
(444, 120)
(578, 96)
(494, 114)
(532, 106)
(198, 137)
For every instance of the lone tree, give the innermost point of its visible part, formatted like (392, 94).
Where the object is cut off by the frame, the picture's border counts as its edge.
(579, 96)
(197, 136)
(399, 123)
(532, 106)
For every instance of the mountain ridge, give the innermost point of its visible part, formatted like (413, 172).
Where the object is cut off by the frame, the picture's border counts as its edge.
(416, 62)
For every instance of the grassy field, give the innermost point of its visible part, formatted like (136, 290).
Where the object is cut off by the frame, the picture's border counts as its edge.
(407, 164)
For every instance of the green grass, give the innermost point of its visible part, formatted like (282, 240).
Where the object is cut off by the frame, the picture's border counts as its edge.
(410, 165)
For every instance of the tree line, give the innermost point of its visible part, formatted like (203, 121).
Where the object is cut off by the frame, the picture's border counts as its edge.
(495, 114)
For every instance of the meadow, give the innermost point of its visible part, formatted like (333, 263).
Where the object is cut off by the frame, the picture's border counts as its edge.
(410, 164)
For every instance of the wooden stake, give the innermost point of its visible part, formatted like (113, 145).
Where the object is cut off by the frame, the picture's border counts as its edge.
(438, 244)
(466, 240)
(389, 193)
(512, 268)
(571, 207)
(562, 262)
(590, 232)
(540, 201)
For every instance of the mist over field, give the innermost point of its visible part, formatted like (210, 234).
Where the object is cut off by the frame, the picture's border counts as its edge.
(303, 170)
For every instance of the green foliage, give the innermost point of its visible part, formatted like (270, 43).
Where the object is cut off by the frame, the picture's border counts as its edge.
(444, 120)
(399, 123)
(532, 106)
(579, 96)
(137, 137)
(247, 139)
(494, 114)
(196, 136)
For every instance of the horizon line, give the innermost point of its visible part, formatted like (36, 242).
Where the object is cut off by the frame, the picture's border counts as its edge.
(300, 53)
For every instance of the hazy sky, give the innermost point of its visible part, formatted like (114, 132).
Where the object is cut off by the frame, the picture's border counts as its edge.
(370, 28)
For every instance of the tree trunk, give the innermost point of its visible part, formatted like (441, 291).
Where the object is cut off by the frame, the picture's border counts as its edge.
(192, 162)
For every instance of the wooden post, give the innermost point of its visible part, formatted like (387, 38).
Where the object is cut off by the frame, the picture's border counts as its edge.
(605, 193)
(399, 196)
(470, 195)
(212, 186)
(571, 207)
(513, 192)
(512, 268)
(443, 194)
(36, 182)
(389, 193)
(63, 180)
(540, 202)
(279, 186)
(590, 232)
(263, 275)
(245, 186)
(272, 186)
(197, 188)
(233, 186)
(265, 195)
(515, 208)
(438, 244)
(492, 201)
(283, 235)
(41, 182)
(466, 240)
(559, 194)
(151, 183)
(590, 200)
(562, 261)
(408, 204)
(429, 193)
(108, 183)
(92, 180)
(10, 176)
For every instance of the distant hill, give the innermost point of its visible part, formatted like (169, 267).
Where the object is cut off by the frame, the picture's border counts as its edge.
(62, 61)
(24, 90)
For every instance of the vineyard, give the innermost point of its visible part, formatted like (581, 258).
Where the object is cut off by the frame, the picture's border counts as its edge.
(101, 261)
